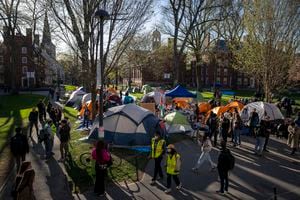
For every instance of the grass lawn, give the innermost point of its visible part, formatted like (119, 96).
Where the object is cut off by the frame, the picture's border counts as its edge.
(15, 110)
(82, 176)
(69, 88)
(138, 96)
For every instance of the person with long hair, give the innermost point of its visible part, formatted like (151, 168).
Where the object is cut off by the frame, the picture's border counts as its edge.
(102, 157)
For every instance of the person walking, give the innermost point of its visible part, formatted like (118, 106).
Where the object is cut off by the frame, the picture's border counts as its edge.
(48, 139)
(293, 137)
(64, 137)
(19, 146)
(33, 121)
(158, 145)
(173, 167)
(25, 187)
(205, 148)
(49, 107)
(254, 121)
(102, 157)
(267, 131)
(42, 111)
(225, 163)
(225, 126)
(237, 123)
(260, 134)
(212, 123)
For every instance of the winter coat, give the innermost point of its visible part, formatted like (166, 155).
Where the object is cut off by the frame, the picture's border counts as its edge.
(293, 137)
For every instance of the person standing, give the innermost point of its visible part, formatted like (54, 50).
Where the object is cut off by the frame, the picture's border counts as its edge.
(293, 137)
(86, 116)
(260, 134)
(225, 163)
(33, 121)
(225, 126)
(205, 148)
(102, 157)
(158, 145)
(254, 120)
(42, 111)
(173, 168)
(267, 132)
(48, 139)
(237, 123)
(213, 125)
(49, 107)
(19, 146)
(64, 136)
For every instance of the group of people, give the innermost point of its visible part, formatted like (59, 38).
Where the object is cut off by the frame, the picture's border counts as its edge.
(173, 162)
(19, 145)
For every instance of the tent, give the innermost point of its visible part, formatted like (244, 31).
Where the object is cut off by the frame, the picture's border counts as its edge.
(111, 91)
(204, 107)
(76, 97)
(87, 97)
(183, 103)
(180, 91)
(235, 105)
(262, 107)
(146, 89)
(152, 97)
(115, 99)
(127, 125)
(177, 123)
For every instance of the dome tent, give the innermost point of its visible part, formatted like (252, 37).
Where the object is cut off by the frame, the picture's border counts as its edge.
(180, 91)
(127, 125)
(177, 123)
(76, 97)
(262, 107)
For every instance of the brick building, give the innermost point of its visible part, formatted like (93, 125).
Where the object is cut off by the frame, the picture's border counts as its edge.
(35, 63)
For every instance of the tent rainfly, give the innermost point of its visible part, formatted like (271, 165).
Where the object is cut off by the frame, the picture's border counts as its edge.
(180, 91)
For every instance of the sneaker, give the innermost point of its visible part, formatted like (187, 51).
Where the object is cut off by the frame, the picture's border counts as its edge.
(220, 192)
(226, 191)
(168, 190)
(179, 186)
(152, 182)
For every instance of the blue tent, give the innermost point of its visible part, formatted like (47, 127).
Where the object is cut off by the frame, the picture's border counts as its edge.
(180, 91)
(128, 125)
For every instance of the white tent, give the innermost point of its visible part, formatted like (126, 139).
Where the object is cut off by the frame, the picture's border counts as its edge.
(87, 97)
(261, 108)
(76, 97)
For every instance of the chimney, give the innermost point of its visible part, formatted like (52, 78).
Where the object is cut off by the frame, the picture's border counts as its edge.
(36, 39)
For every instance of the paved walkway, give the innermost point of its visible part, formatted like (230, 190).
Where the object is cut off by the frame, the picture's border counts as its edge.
(252, 178)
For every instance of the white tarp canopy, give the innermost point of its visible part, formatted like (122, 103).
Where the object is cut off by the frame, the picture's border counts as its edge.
(261, 108)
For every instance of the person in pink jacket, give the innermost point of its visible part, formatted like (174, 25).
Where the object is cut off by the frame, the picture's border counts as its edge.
(102, 157)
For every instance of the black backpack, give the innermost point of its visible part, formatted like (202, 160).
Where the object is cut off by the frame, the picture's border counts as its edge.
(231, 160)
(18, 145)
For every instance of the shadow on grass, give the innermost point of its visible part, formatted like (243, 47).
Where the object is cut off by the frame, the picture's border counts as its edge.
(72, 115)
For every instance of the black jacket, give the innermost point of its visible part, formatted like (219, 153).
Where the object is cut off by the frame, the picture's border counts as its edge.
(33, 116)
(223, 160)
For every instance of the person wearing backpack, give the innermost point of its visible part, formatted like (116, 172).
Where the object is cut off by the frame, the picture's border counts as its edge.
(64, 137)
(225, 163)
(260, 135)
(19, 146)
(33, 121)
(103, 160)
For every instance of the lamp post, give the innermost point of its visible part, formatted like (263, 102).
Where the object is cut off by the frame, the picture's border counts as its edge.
(101, 15)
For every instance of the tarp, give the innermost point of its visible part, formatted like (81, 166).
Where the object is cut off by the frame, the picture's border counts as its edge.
(146, 89)
(177, 123)
(180, 91)
(76, 97)
(262, 107)
(127, 125)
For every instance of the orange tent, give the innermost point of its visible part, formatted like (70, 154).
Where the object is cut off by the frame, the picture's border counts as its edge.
(235, 104)
(182, 102)
(89, 106)
(204, 107)
(112, 90)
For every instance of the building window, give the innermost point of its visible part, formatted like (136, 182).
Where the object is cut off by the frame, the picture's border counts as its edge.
(239, 81)
(1, 59)
(35, 60)
(218, 80)
(1, 69)
(24, 69)
(24, 50)
(225, 81)
(24, 60)
(167, 75)
(246, 81)
(206, 81)
(218, 71)
(225, 72)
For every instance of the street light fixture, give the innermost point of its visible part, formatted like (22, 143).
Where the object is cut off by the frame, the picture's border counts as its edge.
(101, 15)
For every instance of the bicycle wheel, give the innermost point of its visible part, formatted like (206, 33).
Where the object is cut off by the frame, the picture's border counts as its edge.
(85, 159)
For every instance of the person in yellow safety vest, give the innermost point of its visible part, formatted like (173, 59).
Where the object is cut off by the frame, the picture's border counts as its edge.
(173, 168)
(158, 145)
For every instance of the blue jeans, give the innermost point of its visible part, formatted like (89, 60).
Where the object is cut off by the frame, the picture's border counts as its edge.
(259, 145)
(48, 147)
(237, 136)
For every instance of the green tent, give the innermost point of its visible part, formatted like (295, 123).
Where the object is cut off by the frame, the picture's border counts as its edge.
(177, 123)
(146, 89)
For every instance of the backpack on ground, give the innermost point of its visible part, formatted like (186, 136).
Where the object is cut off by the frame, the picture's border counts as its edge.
(231, 161)
(17, 144)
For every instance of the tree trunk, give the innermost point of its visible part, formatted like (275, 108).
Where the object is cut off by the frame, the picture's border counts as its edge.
(198, 72)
